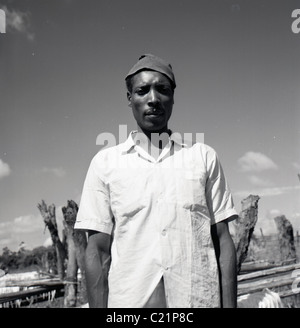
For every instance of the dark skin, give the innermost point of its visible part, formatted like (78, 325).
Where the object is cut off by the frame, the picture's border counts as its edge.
(97, 264)
(151, 99)
(226, 259)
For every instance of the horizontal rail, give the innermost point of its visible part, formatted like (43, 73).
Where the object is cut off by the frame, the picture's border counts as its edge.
(267, 272)
(26, 294)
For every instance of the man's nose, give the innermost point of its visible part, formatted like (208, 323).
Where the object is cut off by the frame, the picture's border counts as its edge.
(153, 97)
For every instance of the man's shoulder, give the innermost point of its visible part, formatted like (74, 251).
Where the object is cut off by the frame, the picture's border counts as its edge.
(203, 148)
(192, 143)
(108, 153)
(206, 153)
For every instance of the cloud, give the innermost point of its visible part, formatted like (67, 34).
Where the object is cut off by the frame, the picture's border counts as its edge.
(255, 162)
(48, 242)
(259, 181)
(266, 221)
(296, 165)
(21, 225)
(18, 21)
(273, 213)
(4, 169)
(59, 172)
(267, 192)
(2, 22)
(28, 228)
(27, 224)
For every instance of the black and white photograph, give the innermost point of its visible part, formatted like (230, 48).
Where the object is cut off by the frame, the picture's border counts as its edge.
(150, 156)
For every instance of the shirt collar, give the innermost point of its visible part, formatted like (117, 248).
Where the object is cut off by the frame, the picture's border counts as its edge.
(174, 137)
(177, 138)
(129, 143)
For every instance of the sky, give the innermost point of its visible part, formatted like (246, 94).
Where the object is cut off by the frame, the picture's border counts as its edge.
(62, 69)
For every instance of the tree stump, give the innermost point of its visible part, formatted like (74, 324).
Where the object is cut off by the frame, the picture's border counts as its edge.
(244, 226)
(285, 239)
(76, 241)
(48, 214)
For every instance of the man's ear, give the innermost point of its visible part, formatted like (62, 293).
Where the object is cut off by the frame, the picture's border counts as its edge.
(129, 98)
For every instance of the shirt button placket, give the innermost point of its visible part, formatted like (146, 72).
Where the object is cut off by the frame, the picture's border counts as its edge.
(165, 259)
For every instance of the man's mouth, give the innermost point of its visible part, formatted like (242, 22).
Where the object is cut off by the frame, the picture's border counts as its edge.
(154, 113)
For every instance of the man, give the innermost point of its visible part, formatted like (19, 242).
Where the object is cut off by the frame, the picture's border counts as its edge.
(157, 210)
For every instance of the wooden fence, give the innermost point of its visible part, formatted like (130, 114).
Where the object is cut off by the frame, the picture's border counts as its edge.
(34, 291)
(280, 279)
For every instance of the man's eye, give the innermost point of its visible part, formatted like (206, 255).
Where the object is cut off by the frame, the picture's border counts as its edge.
(164, 89)
(141, 92)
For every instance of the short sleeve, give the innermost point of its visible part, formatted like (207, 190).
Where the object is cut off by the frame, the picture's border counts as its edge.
(94, 209)
(218, 196)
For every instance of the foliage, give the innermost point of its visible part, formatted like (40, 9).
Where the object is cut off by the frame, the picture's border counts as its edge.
(41, 258)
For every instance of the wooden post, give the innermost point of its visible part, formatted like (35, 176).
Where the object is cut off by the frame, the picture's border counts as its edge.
(76, 241)
(285, 239)
(48, 214)
(244, 226)
(80, 246)
(72, 267)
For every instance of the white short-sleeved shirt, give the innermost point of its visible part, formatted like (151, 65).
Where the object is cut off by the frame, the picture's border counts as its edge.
(159, 213)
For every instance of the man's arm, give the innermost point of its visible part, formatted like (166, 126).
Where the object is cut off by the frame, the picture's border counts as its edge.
(226, 258)
(97, 264)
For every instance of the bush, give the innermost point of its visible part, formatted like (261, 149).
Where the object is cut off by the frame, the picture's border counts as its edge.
(41, 258)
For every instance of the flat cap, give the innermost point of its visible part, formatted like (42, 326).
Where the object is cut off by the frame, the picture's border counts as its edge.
(153, 63)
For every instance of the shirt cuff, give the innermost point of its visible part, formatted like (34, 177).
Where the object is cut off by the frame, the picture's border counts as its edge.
(224, 215)
(92, 225)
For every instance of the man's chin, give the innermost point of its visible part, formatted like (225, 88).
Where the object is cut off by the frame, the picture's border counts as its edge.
(152, 128)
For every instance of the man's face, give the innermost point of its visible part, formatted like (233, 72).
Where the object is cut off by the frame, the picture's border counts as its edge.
(151, 101)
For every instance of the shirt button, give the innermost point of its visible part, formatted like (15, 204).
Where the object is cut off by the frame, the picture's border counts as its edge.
(164, 232)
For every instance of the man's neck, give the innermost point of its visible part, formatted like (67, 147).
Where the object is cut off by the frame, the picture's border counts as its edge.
(156, 140)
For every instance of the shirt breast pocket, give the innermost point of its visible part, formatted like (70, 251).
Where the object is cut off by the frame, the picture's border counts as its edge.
(190, 189)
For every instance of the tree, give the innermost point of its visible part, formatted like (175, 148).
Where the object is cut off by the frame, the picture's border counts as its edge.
(76, 241)
(286, 239)
(9, 259)
(48, 214)
(244, 226)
